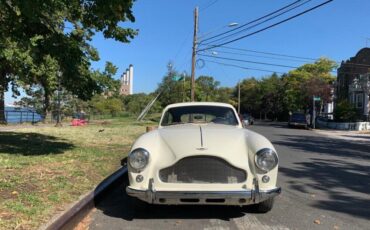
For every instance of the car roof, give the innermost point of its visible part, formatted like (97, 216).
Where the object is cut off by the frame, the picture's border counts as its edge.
(198, 104)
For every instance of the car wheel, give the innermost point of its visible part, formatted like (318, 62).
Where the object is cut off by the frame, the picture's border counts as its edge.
(264, 206)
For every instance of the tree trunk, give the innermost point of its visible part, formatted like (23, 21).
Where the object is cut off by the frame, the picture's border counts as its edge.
(46, 105)
(2, 98)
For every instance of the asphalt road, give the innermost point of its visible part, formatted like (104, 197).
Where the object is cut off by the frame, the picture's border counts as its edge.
(325, 181)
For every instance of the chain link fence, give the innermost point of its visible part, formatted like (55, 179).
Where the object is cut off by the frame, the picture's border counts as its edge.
(21, 115)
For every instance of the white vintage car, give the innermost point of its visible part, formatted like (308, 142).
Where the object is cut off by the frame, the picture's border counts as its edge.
(201, 154)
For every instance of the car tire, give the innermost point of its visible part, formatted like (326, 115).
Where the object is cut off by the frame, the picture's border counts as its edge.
(264, 206)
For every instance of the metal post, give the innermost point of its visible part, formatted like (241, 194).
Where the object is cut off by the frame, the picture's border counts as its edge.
(183, 88)
(193, 57)
(239, 97)
(33, 117)
(21, 118)
(313, 113)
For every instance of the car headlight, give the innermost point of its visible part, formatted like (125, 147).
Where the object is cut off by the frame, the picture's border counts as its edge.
(266, 159)
(138, 159)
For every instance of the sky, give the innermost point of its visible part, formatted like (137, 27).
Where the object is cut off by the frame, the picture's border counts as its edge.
(337, 31)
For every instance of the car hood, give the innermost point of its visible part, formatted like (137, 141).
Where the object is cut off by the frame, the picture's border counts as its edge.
(223, 141)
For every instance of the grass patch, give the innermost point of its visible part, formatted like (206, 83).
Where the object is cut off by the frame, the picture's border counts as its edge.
(45, 168)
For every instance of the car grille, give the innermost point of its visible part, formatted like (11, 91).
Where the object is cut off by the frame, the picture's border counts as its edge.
(202, 169)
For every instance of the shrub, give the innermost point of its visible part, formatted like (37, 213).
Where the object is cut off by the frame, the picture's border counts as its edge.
(345, 111)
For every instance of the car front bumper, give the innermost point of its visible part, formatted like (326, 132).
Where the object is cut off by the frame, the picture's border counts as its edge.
(298, 124)
(242, 197)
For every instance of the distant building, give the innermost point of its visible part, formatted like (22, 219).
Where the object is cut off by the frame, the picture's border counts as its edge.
(127, 81)
(353, 81)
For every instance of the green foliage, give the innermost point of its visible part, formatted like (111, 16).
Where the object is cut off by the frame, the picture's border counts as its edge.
(173, 91)
(307, 81)
(39, 39)
(105, 80)
(345, 111)
(102, 105)
(135, 103)
(206, 88)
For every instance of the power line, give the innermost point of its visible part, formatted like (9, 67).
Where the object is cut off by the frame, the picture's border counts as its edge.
(260, 23)
(207, 6)
(243, 67)
(254, 62)
(265, 70)
(268, 27)
(283, 55)
(253, 21)
(182, 45)
(260, 56)
(268, 53)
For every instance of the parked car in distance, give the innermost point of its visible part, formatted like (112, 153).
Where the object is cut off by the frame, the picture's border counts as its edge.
(298, 120)
(201, 154)
(247, 119)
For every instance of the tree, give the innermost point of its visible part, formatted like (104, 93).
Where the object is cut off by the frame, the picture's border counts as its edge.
(102, 105)
(136, 103)
(32, 31)
(307, 81)
(106, 81)
(206, 88)
(225, 95)
(172, 87)
(272, 92)
(250, 99)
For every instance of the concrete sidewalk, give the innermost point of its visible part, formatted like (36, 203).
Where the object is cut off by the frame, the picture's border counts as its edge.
(362, 136)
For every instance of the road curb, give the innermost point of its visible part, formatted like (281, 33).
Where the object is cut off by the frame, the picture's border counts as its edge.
(78, 210)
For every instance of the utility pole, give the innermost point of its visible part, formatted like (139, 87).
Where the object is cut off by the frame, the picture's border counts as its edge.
(313, 112)
(183, 87)
(239, 97)
(193, 56)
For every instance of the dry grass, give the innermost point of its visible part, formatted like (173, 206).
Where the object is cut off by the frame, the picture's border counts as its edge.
(45, 168)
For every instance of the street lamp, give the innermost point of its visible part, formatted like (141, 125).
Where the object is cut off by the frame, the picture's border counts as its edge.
(231, 24)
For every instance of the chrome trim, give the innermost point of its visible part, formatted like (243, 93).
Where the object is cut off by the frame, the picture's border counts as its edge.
(231, 197)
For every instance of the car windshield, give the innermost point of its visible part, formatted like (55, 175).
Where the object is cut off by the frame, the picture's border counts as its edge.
(199, 114)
